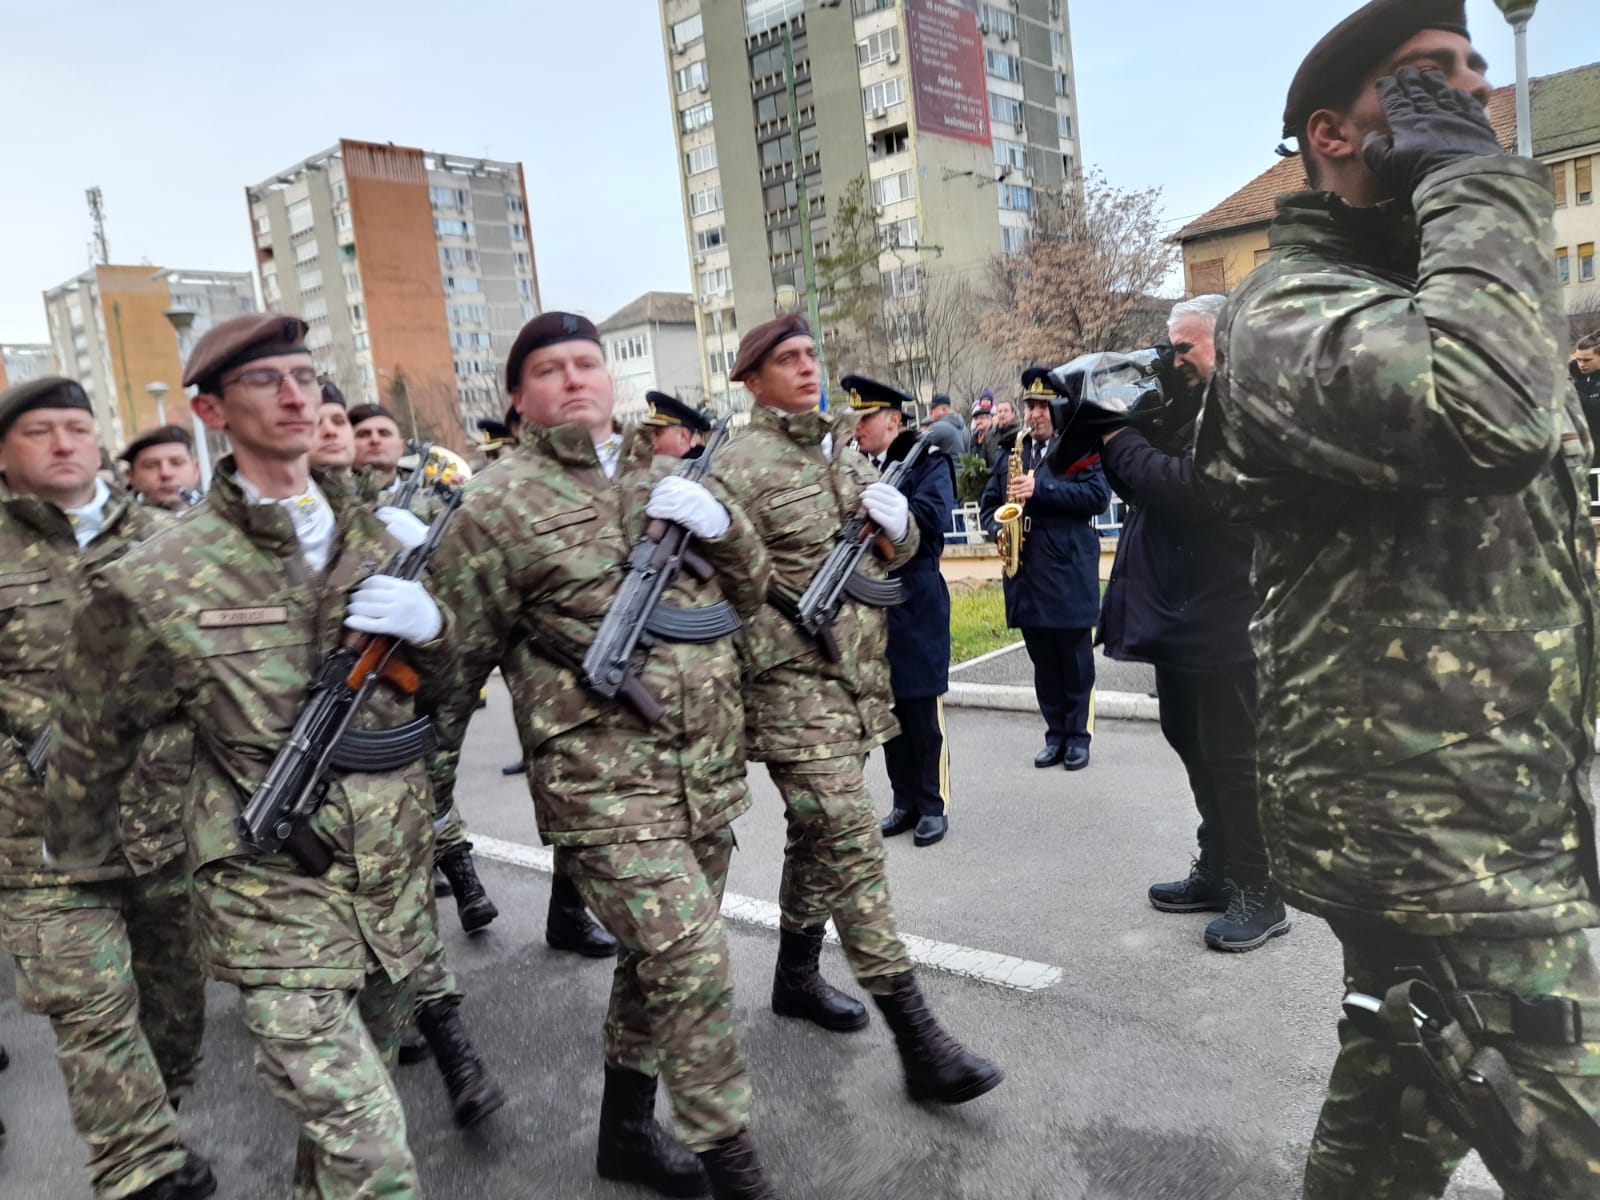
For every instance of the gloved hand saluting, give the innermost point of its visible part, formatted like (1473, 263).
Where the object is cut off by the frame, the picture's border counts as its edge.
(887, 508)
(397, 608)
(1431, 126)
(409, 530)
(690, 505)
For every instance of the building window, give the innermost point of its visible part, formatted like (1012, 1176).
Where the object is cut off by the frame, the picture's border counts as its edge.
(460, 283)
(1016, 197)
(863, 7)
(686, 31)
(357, 314)
(523, 261)
(445, 228)
(1583, 181)
(519, 233)
(892, 188)
(306, 252)
(898, 234)
(1002, 65)
(897, 285)
(514, 205)
(462, 314)
(710, 239)
(1013, 238)
(1058, 45)
(361, 341)
(879, 47)
(883, 95)
(996, 21)
(714, 360)
(1586, 263)
(1064, 126)
(762, 15)
(716, 281)
(1010, 154)
(698, 117)
(1208, 275)
(701, 158)
(705, 200)
(310, 280)
(1558, 183)
(299, 216)
(314, 310)
(1563, 266)
(1061, 85)
(777, 151)
(457, 256)
(342, 221)
(525, 289)
(1005, 110)
(691, 77)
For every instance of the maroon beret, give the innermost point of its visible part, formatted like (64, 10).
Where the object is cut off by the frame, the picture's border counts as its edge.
(547, 329)
(241, 340)
(1356, 46)
(762, 340)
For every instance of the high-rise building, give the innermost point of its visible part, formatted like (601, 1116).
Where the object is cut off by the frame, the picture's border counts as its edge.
(954, 113)
(414, 269)
(109, 330)
(22, 362)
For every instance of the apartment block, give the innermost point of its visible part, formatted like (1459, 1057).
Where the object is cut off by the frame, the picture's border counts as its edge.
(110, 330)
(23, 362)
(955, 112)
(651, 346)
(415, 270)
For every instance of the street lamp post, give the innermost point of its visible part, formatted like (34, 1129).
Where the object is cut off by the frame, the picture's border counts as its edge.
(182, 322)
(158, 393)
(1518, 13)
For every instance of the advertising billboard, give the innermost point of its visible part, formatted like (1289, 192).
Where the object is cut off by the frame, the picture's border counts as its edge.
(947, 75)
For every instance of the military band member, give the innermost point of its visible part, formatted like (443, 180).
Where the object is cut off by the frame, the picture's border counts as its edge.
(105, 950)
(162, 469)
(918, 757)
(675, 430)
(1054, 598)
(813, 718)
(640, 813)
(219, 622)
(1388, 411)
(494, 439)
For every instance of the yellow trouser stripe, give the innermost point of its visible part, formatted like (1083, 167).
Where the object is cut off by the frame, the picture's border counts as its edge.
(944, 757)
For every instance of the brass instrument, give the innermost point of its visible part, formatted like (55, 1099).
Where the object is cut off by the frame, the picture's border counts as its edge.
(1009, 540)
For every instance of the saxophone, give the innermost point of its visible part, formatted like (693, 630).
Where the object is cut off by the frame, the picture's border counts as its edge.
(1009, 540)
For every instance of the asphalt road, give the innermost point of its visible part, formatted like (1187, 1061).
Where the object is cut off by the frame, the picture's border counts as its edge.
(1155, 1070)
(1014, 667)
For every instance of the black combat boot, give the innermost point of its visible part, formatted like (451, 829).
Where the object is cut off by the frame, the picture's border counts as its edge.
(473, 905)
(472, 1092)
(734, 1170)
(568, 925)
(1255, 916)
(799, 990)
(441, 885)
(937, 1066)
(633, 1146)
(413, 1046)
(1204, 891)
(192, 1181)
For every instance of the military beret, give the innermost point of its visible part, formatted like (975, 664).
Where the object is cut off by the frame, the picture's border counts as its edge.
(762, 340)
(167, 435)
(1356, 46)
(547, 329)
(241, 340)
(1037, 387)
(367, 412)
(330, 392)
(868, 395)
(50, 392)
(666, 411)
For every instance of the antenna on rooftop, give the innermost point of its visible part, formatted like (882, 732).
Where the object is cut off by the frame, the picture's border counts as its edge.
(101, 252)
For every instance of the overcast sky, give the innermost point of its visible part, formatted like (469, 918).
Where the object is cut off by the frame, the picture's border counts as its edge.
(173, 109)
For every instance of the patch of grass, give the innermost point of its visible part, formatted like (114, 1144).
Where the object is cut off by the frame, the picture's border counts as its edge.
(978, 621)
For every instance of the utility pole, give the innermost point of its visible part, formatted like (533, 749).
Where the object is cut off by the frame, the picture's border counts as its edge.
(97, 215)
(807, 257)
(1518, 13)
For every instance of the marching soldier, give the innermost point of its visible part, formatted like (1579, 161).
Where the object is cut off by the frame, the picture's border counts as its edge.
(162, 469)
(1054, 598)
(105, 951)
(675, 430)
(379, 444)
(335, 448)
(918, 757)
(813, 712)
(640, 813)
(218, 622)
(1387, 410)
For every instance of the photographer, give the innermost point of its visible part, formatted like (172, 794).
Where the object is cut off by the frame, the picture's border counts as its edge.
(1180, 598)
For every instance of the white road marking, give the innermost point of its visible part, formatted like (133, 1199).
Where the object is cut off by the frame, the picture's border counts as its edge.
(1002, 970)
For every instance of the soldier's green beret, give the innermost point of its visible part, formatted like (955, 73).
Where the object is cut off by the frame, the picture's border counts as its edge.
(547, 329)
(762, 341)
(1356, 46)
(166, 435)
(50, 392)
(239, 341)
(868, 395)
(668, 410)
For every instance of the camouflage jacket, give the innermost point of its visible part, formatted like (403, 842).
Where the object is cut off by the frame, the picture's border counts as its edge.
(533, 560)
(220, 622)
(1388, 411)
(40, 586)
(798, 705)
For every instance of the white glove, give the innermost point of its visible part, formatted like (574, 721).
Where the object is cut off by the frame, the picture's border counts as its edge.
(403, 527)
(690, 505)
(888, 509)
(397, 608)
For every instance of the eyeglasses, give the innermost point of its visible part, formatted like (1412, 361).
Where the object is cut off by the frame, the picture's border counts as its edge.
(262, 383)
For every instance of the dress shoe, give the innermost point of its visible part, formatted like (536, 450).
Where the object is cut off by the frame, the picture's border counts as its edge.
(930, 830)
(516, 768)
(1049, 756)
(899, 820)
(1076, 758)
(799, 990)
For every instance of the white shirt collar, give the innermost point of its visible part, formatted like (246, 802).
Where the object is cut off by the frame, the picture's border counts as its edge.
(88, 520)
(311, 515)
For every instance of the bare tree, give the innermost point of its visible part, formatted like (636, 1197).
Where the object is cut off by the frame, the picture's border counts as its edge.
(848, 279)
(1084, 280)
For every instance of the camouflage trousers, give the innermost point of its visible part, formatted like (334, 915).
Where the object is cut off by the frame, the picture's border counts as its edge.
(833, 865)
(1359, 1150)
(449, 835)
(115, 968)
(434, 980)
(326, 1056)
(672, 995)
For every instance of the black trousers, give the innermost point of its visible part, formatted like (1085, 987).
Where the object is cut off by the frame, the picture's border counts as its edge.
(1209, 718)
(918, 758)
(1063, 680)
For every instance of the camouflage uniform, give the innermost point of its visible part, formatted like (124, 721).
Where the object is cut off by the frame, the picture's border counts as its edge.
(1388, 413)
(640, 814)
(108, 954)
(812, 721)
(219, 622)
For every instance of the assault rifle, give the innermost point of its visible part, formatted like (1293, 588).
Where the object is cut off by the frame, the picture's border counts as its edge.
(838, 577)
(406, 494)
(637, 615)
(296, 784)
